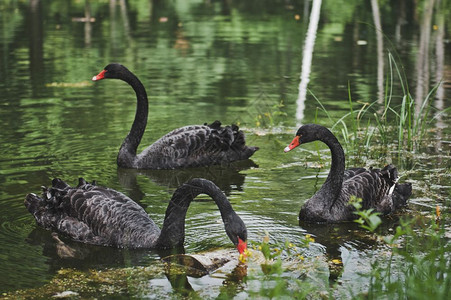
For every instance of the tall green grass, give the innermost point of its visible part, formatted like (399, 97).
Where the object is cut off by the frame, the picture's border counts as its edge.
(386, 122)
(419, 266)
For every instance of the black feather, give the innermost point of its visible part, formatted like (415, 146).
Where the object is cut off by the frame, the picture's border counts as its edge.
(189, 146)
(377, 188)
(102, 216)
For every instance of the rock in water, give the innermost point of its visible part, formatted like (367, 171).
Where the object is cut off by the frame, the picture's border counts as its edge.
(201, 264)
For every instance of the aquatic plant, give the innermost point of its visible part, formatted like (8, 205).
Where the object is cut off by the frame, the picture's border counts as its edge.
(368, 218)
(386, 123)
(269, 113)
(411, 117)
(274, 279)
(419, 266)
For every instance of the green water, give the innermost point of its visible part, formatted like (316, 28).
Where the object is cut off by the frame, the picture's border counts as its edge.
(201, 61)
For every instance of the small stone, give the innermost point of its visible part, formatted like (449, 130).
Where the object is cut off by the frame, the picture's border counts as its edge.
(65, 294)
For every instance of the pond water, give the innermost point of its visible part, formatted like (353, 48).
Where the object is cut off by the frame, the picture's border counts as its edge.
(238, 62)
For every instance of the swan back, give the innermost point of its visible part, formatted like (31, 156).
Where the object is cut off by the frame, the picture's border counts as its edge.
(196, 146)
(93, 214)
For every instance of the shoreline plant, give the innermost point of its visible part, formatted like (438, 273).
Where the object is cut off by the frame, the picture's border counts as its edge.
(405, 123)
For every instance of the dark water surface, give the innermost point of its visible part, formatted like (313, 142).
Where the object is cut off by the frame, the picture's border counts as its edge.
(201, 61)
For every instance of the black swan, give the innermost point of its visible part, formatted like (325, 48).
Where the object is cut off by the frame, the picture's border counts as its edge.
(189, 146)
(377, 188)
(102, 216)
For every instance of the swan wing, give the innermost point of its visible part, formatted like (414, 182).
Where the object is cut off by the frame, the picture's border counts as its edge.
(371, 186)
(197, 145)
(349, 173)
(182, 142)
(93, 214)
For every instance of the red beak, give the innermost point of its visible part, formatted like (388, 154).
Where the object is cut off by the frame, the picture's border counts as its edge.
(242, 246)
(100, 76)
(294, 143)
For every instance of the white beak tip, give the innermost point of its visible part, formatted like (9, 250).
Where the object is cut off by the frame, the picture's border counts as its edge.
(94, 78)
(286, 149)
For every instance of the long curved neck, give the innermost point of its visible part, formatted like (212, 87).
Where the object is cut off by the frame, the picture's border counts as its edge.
(127, 152)
(173, 230)
(333, 184)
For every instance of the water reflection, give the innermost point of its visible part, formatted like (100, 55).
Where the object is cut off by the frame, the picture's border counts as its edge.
(88, 20)
(344, 240)
(119, 22)
(202, 58)
(227, 178)
(440, 77)
(400, 20)
(307, 56)
(229, 285)
(35, 27)
(379, 51)
(422, 62)
(64, 253)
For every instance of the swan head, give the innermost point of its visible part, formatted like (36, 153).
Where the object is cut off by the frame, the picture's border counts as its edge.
(112, 71)
(306, 134)
(237, 232)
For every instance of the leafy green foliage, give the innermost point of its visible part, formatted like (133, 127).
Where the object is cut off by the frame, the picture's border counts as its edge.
(420, 264)
(368, 218)
(268, 112)
(274, 281)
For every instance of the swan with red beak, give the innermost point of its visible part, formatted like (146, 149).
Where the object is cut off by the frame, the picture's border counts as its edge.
(102, 216)
(378, 189)
(185, 147)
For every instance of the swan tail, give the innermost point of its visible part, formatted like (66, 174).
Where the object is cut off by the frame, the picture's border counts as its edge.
(34, 204)
(398, 192)
(41, 210)
(239, 143)
(82, 183)
(45, 208)
(390, 175)
(59, 184)
(50, 217)
(231, 138)
(401, 193)
(221, 138)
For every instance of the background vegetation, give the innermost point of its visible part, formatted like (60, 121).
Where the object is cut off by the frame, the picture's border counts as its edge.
(237, 61)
